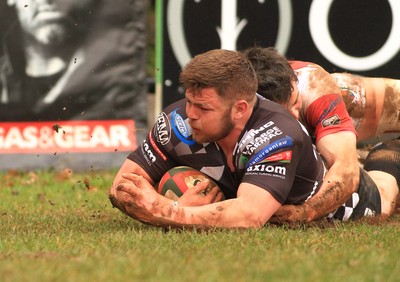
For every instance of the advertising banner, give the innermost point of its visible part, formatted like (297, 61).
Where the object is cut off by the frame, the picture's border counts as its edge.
(73, 87)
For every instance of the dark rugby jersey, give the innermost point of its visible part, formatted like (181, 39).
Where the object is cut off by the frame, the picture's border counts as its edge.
(273, 152)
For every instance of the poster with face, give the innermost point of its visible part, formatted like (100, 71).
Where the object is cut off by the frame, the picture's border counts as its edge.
(73, 87)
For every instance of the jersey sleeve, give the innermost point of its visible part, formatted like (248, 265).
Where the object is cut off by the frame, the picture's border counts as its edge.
(158, 152)
(152, 157)
(170, 144)
(273, 168)
(328, 115)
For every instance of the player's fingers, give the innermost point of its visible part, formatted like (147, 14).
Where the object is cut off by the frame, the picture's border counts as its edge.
(135, 178)
(220, 196)
(215, 194)
(116, 203)
(201, 186)
(138, 180)
(127, 188)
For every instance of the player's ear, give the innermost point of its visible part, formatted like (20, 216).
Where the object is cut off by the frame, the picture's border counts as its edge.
(239, 108)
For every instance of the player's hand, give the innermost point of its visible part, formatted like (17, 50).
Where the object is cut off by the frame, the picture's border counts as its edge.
(139, 198)
(114, 197)
(200, 195)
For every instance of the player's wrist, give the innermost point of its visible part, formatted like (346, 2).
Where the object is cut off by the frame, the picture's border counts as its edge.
(310, 213)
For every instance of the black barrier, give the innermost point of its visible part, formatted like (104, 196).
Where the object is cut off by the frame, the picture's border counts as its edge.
(359, 36)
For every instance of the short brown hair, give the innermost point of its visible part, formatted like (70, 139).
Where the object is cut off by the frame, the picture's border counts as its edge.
(229, 72)
(274, 73)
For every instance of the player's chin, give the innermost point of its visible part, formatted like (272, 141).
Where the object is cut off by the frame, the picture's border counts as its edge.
(198, 137)
(201, 138)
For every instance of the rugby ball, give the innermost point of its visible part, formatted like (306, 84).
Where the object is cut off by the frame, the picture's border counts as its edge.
(179, 179)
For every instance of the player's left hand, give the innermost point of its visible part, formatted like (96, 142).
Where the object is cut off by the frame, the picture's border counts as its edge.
(197, 196)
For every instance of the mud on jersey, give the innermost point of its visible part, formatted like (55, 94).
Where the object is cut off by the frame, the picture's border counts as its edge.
(327, 114)
(273, 152)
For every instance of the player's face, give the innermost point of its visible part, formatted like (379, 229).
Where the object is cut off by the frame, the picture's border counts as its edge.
(48, 21)
(209, 116)
(295, 102)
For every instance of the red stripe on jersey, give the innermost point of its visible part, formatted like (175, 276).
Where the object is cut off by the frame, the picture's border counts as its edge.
(328, 115)
(298, 64)
(285, 156)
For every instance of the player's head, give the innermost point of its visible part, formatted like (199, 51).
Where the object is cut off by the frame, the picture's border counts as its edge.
(228, 72)
(276, 78)
(50, 22)
(274, 73)
(220, 92)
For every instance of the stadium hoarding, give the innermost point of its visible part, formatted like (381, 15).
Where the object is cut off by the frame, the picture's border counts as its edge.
(84, 104)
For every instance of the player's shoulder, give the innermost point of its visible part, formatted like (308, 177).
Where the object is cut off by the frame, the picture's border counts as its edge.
(172, 126)
(271, 130)
(270, 117)
(298, 65)
(267, 110)
(175, 106)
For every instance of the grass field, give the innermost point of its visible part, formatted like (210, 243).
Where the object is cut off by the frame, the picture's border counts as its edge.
(60, 226)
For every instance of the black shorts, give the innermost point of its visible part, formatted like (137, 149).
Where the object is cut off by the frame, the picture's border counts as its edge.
(365, 202)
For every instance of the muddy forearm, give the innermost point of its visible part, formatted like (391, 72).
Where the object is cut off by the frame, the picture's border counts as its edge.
(329, 199)
(334, 191)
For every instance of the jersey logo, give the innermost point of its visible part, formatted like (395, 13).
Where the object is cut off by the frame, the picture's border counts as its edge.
(155, 148)
(181, 129)
(329, 108)
(282, 157)
(277, 145)
(333, 120)
(242, 161)
(278, 171)
(147, 153)
(162, 128)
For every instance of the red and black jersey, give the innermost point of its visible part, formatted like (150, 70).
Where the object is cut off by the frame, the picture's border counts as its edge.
(326, 114)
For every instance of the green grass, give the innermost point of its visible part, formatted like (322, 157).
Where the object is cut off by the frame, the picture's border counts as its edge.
(58, 226)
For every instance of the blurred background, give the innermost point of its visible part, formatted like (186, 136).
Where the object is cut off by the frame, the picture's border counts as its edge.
(132, 55)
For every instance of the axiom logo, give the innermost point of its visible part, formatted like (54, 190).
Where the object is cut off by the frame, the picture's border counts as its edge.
(333, 120)
(162, 128)
(267, 168)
